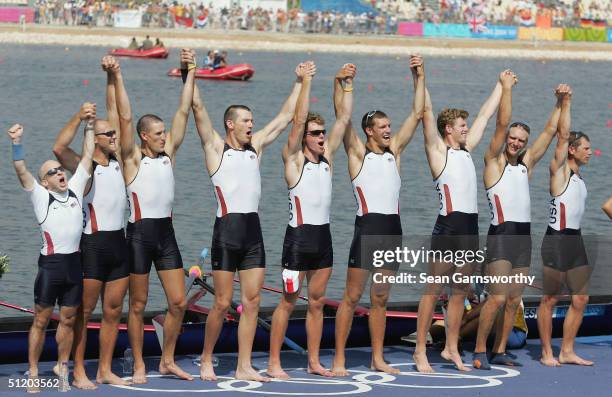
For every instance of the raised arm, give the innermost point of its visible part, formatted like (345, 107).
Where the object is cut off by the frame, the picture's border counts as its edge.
(112, 115)
(179, 123)
(563, 135)
(88, 146)
(406, 132)
(67, 157)
(25, 177)
(294, 142)
(129, 150)
(504, 115)
(434, 144)
(273, 129)
(344, 109)
(486, 112)
(539, 147)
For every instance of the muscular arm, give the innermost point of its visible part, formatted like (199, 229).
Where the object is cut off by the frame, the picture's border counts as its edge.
(504, 115)
(179, 122)
(273, 129)
(212, 143)
(558, 169)
(406, 132)
(67, 157)
(537, 151)
(129, 150)
(343, 118)
(435, 149)
(486, 112)
(294, 142)
(26, 179)
(88, 147)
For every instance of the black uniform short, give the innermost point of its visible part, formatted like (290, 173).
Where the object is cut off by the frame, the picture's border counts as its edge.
(374, 234)
(59, 279)
(456, 231)
(152, 240)
(563, 250)
(510, 241)
(237, 243)
(307, 247)
(104, 255)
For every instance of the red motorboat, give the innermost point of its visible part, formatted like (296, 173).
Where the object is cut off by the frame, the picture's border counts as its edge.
(157, 52)
(242, 71)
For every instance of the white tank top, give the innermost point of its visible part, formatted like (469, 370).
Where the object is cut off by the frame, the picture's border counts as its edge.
(377, 185)
(237, 181)
(105, 203)
(456, 184)
(60, 215)
(567, 208)
(310, 197)
(509, 197)
(151, 192)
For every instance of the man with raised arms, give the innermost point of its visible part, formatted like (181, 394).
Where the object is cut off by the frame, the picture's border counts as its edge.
(508, 167)
(564, 257)
(149, 178)
(374, 168)
(103, 248)
(237, 245)
(307, 249)
(448, 144)
(58, 207)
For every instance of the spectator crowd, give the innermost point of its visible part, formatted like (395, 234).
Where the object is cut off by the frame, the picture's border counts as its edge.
(384, 20)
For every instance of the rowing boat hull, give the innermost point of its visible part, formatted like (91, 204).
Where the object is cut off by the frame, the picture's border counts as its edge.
(242, 71)
(597, 321)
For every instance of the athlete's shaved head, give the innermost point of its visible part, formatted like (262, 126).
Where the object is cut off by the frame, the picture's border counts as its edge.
(144, 123)
(448, 117)
(46, 166)
(367, 121)
(231, 113)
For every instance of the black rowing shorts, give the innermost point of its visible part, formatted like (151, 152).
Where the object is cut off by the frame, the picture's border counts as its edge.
(152, 241)
(510, 241)
(307, 247)
(59, 279)
(375, 233)
(237, 243)
(104, 255)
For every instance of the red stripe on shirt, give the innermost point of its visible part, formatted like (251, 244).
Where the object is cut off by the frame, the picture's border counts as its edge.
(500, 212)
(92, 217)
(449, 202)
(364, 205)
(298, 209)
(137, 215)
(50, 250)
(221, 201)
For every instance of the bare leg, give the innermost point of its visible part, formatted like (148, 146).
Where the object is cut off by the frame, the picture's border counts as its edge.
(453, 324)
(173, 282)
(379, 295)
(139, 291)
(36, 340)
(64, 336)
(572, 322)
(112, 304)
(280, 319)
(224, 289)
(317, 283)
(251, 281)
(515, 295)
(552, 283)
(91, 292)
(355, 283)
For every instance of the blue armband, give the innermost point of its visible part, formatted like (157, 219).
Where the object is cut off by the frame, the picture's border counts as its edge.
(17, 152)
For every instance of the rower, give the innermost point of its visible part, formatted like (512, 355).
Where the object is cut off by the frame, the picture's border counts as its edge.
(103, 247)
(374, 169)
(564, 257)
(307, 248)
(58, 207)
(448, 150)
(149, 177)
(506, 177)
(237, 244)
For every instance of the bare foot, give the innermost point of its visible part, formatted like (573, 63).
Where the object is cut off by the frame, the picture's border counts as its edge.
(81, 381)
(422, 364)
(250, 374)
(455, 357)
(207, 371)
(277, 372)
(382, 366)
(339, 368)
(111, 379)
(573, 358)
(550, 361)
(318, 369)
(56, 369)
(140, 375)
(166, 368)
(33, 383)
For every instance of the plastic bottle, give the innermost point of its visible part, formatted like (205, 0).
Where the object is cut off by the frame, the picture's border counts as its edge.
(197, 361)
(64, 384)
(128, 361)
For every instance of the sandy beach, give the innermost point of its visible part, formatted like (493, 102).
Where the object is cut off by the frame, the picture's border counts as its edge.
(268, 41)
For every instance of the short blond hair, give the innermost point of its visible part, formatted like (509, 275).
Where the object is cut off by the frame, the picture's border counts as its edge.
(448, 117)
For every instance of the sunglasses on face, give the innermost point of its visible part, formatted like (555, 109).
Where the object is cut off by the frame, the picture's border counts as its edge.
(108, 134)
(54, 171)
(316, 132)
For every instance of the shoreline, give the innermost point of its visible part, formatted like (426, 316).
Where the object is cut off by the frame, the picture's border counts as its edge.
(301, 42)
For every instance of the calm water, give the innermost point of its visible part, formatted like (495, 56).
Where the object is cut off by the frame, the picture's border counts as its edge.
(43, 86)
